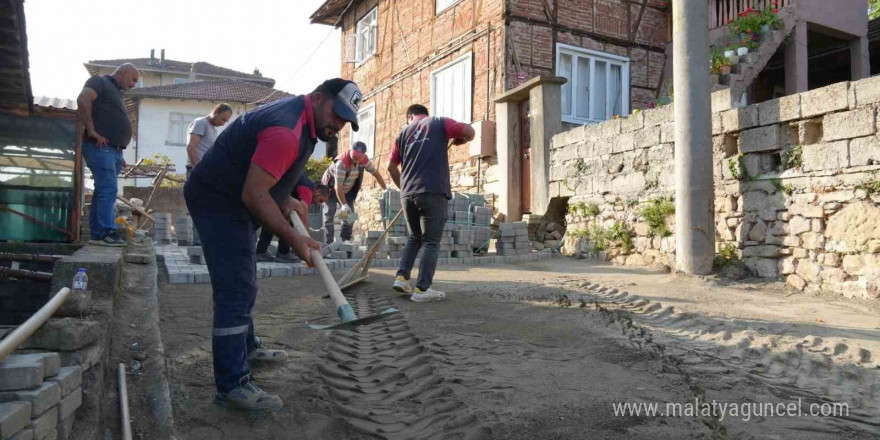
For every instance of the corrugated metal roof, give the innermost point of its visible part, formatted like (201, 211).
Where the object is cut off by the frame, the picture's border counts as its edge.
(58, 103)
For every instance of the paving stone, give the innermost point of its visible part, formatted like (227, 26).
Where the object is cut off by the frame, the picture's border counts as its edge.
(24, 434)
(41, 399)
(69, 404)
(27, 371)
(65, 334)
(14, 416)
(138, 258)
(65, 428)
(44, 425)
(68, 378)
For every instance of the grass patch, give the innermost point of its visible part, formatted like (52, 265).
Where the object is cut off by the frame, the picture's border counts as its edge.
(872, 187)
(655, 213)
(793, 158)
(726, 255)
(787, 189)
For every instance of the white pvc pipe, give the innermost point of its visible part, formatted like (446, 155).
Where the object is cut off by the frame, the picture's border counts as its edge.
(123, 404)
(10, 343)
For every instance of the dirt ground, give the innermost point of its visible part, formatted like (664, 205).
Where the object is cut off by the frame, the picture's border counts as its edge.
(538, 350)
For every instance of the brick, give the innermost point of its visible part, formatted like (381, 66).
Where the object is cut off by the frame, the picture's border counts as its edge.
(864, 151)
(825, 100)
(20, 375)
(737, 119)
(782, 109)
(24, 434)
(69, 404)
(826, 156)
(14, 417)
(865, 91)
(760, 139)
(137, 258)
(41, 399)
(44, 425)
(65, 334)
(68, 378)
(847, 125)
(65, 428)
(647, 137)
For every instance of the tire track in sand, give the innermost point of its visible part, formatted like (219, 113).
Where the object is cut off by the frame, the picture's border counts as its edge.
(384, 382)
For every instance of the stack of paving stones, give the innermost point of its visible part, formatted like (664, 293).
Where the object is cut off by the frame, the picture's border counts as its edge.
(40, 392)
(162, 228)
(534, 225)
(482, 232)
(184, 228)
(196, 255)
(513, 239)
(391, 205)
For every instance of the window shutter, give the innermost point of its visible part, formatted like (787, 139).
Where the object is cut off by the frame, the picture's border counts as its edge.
(351, 48)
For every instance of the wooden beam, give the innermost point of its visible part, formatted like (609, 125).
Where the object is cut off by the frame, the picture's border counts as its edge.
(136, 209)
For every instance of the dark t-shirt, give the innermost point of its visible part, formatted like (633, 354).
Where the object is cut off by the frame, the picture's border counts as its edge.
(109, 112)
(421, 149)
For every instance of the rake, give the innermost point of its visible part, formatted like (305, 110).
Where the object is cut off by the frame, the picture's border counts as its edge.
(361, 270)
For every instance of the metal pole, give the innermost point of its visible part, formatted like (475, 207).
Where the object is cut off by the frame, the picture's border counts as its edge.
(6, 272)
(10, 343)
(694, 192)
(8, 256)
(123, 404)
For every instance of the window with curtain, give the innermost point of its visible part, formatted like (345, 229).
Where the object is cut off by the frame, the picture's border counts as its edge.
(597, 87)
(366, 32)
(451, 88)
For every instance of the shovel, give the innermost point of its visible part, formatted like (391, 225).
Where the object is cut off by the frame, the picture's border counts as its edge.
(360, 271)
(346, 314)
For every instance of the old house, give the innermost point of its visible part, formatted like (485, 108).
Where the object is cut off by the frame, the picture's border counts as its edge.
(465, 59)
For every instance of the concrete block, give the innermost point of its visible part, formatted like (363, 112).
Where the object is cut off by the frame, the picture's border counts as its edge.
(826, 156)
(647, 137)
(761, 139)
(44, 425)
(865, 91)
(14, 417)
(195, 250)
(84, 357)
(622, 143)
(721, 100)
(825, 100)
(65, 334)
(138, 258)
(740, 118)
(24, 434)
(41, 399)
(69, 404)
(101, 264)
(864, 151)
(778, 110)
(68, 378)
(849, 124)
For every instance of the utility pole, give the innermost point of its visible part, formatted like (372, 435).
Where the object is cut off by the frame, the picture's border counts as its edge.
(694, 190)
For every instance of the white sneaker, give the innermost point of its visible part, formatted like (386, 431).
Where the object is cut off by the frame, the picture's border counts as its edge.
(401, 285)
(428, 295)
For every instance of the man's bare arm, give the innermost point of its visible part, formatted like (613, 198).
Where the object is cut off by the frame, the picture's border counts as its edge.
(379, 179)
(467, 135)
(84, 110)
(340, 191)
(192, 148)
(259, 202)
(394, 171)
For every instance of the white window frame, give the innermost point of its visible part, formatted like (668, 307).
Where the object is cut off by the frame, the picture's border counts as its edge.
(367, 28)
(468, 60)
(184, 119)
(593, 55)
(356, 135)
(175, 81)
(443, 5)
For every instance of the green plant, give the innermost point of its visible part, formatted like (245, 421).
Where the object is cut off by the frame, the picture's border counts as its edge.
(591, 209)
(315, 168)
(793, 158)
(726, 255)
(787, 189)
(872, 187)
(655, 212)
(738, 170)
(621, 233)
(717, 62)
(873, 9)
(578, 233)
(733, 164)
(580, 166)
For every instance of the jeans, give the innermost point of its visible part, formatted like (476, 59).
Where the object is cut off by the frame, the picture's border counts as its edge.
(105, 164)
(227, 234)
(426, 216)
(330, 213)
(266, 239)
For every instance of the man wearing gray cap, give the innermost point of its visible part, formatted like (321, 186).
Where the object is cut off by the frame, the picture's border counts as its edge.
(243, 181)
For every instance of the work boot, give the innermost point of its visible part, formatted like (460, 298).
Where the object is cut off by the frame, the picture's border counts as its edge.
(111, 239)
(427, 295)
(265, 257)
(289, 257)
(249, 397)
(401, 285)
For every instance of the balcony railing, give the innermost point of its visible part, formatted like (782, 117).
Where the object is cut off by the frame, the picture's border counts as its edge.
(722, 12)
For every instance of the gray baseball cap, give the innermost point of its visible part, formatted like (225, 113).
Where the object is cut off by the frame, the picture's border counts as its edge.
(348, 99)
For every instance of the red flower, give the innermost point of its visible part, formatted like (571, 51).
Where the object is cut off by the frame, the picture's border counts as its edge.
(651, 104)
(775, 11)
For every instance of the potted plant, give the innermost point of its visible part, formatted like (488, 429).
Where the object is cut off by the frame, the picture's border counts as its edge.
(719, 64)
(730, 51)
(769, 18)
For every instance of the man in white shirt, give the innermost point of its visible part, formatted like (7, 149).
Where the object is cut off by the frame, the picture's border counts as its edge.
(203, 132)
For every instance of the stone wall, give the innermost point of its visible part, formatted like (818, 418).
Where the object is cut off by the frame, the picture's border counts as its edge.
(796, 186)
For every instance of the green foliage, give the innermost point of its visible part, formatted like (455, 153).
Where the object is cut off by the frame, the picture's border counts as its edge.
(717, 61)
(600, 238)
(726, 255)
(655, 213)
(315, 168)
(872, 187)
(622, 234)
(586, 210)
(580, 166)
(737, 167)
(873, 9)
(793, 158)
(787, 189)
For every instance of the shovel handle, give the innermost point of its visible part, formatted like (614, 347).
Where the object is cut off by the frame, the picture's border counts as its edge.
(335, 293)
